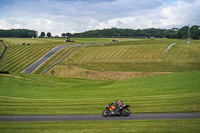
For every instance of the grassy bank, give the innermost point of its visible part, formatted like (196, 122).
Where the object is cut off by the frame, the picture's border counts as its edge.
(140, 56)
(41, 95)
(154, 126)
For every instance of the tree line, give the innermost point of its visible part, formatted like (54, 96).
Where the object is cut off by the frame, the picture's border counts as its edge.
(182, 33)
(22, 33)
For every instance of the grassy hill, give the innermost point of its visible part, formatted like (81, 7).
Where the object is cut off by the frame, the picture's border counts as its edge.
(25, 94)
(142, 55)
(130, 59)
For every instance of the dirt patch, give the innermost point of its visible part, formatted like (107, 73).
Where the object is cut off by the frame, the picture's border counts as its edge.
(67, 71)
(116, 75)
(76, 72)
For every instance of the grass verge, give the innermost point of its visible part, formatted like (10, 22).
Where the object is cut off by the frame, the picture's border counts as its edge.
(139, 126)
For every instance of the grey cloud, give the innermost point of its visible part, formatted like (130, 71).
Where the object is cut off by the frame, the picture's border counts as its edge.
(80, 15)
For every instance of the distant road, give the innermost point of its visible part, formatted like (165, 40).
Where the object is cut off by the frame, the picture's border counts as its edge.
(44, 58)
(168, 49)
(100, 117)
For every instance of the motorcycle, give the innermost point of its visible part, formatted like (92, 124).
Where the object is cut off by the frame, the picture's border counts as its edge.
(112, 110)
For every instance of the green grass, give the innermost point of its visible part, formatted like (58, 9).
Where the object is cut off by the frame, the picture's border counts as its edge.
(35, 41)
(51, 41)
(141, 56)
(138, 126)
(16, 58)
(43, 95)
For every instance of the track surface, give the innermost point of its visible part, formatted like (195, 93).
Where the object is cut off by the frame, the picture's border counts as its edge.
(99, 117)
(44, 58)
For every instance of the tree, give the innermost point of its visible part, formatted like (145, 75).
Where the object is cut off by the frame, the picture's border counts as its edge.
(48, 34)
(42, 34)
(69, 35)
(183, 32)
(18, 33)
(107, 33)
(195, 32)
(30, 34)
(63, 35)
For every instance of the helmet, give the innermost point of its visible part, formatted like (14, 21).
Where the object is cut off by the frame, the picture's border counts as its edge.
(118, 101)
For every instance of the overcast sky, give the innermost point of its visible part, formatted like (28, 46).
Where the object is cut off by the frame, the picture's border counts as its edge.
(61, 16)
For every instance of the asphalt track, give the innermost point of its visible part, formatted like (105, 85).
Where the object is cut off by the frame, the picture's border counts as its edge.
(99, 117)
(44, 58)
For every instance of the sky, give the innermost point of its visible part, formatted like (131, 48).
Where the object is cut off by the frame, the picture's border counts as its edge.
(75, 16)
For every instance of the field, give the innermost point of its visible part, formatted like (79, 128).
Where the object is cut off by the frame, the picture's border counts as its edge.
(50, 41)
(164, 84)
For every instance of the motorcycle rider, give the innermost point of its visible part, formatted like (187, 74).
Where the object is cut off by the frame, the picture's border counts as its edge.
(119, 104)
(117, 108)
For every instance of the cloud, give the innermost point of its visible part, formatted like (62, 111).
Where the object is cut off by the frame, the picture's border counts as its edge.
(177, 14)
(61, 16)
(180, 13)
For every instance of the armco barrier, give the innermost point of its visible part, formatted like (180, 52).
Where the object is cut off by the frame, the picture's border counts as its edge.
(68, 53)
(4, 72)
(3, 52)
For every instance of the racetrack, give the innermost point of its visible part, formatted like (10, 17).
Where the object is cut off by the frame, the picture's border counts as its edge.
(100, 117)
(44, 58)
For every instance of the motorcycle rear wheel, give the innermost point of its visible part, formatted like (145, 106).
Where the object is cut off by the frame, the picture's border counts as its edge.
(105, 113)
(126, 112)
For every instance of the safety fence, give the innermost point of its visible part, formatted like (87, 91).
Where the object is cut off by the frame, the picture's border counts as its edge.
(68, 53)
(5, 47)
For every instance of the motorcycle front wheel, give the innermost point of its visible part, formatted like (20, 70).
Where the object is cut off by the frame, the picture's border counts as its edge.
(126, 112)
(105, 113)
